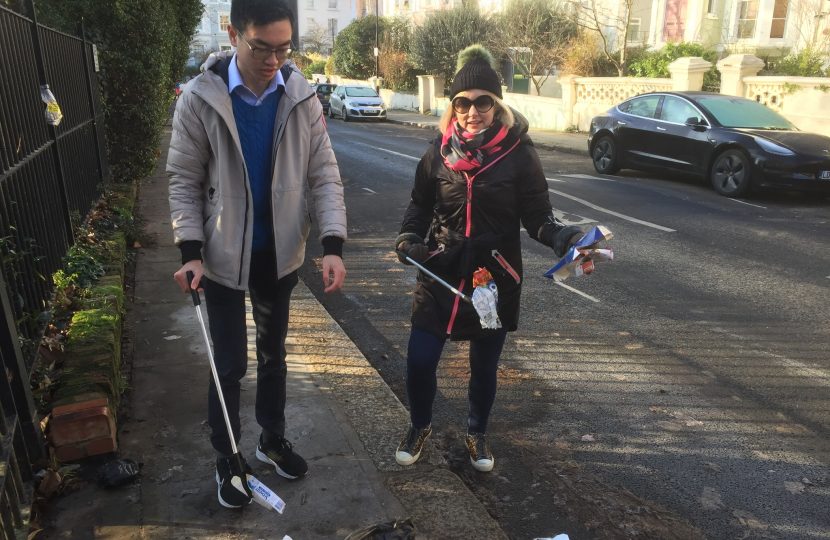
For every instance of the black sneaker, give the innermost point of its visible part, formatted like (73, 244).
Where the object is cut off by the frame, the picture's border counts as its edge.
(480, 455)
(277, 452)
(233, 483)
(410, 448)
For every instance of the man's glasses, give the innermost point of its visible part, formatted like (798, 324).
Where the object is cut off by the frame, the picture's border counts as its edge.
(264, 54)
(481, 103)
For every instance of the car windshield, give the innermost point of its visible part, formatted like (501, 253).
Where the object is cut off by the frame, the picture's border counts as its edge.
(745, 113)
(360, 92)
(325, 90)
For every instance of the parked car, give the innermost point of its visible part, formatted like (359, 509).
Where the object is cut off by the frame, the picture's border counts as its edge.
(323, 91)
(736, 143)
(352, 101)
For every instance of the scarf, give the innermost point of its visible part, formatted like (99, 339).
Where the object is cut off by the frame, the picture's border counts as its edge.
(464, 151)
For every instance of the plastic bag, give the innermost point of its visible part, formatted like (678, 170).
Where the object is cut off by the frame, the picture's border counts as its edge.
(486, 299)
(400, 529)
(118, 473)
(53, 111)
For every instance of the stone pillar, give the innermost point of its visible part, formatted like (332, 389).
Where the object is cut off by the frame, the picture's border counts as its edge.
(436, 90)
(687, 73)
(424, 96)
(734, 68)
(568, 83)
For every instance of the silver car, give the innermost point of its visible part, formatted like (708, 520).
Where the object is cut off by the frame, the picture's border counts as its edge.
(351, 101)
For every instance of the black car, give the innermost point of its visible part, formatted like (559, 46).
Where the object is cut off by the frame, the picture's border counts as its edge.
(737, 143)
(323, 91)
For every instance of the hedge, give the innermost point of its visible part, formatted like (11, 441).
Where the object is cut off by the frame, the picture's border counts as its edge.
(143, 46)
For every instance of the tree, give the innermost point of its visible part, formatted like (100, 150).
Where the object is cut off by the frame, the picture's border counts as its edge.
(539, 26)
(317, 39)
(354, 46)
(437, 42)
(610, 20)
(143, 47)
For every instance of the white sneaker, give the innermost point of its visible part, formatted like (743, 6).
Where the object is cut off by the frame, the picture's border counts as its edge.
(480, 455)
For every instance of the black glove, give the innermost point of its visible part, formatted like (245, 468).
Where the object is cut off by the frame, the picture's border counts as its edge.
(561, 238)
(413, 246)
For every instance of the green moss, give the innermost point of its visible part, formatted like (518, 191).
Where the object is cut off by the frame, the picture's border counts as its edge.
(94, 324)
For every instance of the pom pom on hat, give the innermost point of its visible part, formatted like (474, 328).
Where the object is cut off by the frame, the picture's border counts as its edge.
(474, 52)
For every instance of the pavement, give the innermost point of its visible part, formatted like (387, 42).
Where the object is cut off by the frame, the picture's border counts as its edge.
(571, 143)
(341, 416)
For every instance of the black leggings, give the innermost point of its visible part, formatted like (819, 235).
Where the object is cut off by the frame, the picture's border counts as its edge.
(421, 383)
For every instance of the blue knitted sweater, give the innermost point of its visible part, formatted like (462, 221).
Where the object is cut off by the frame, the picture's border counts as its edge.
(256, 133)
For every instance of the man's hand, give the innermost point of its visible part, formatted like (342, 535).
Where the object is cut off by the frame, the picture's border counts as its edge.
(194, 266)
(332, 264)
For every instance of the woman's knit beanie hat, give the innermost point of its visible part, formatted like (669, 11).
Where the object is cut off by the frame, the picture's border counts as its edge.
(476, 70)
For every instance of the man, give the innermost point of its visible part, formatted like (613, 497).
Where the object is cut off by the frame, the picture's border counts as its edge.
(249, 142)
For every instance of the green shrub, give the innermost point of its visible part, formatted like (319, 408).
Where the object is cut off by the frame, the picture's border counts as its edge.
(656, 63)
(143, 46)
(314, 67)
(353, 52)
(444, 33)
(804, 63)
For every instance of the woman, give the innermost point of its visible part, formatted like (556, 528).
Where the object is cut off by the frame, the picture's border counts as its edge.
(474, 190)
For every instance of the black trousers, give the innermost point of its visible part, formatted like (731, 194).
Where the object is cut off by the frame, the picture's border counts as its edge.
(270, 299)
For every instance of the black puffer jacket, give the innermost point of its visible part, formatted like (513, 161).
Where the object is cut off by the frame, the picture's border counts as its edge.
(503, 196)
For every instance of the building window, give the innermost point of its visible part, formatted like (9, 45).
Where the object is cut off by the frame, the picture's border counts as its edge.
(224, 22)
(198, 50)
(634, 30)
(332, 4)
(779, 19)
(712, 7)
(225, 48)
(333, 29)
(310, 4)
(747, 19)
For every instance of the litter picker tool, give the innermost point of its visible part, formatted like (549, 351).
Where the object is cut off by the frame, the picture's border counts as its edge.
(248, 485)
(436, 278)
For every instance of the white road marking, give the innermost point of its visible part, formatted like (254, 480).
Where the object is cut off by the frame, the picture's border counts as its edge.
(580, 293)
(369, 190)
(749, 204)
(554, 180)
(387, 151)
(588, 177)
(607, 211)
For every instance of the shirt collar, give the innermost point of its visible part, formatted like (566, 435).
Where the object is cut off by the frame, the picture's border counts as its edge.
(235, 81)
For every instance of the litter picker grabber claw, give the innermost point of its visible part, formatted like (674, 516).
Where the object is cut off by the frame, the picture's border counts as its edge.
(248, 485)
(436, 278)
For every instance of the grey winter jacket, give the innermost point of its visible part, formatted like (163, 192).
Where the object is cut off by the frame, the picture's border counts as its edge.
(210, 196)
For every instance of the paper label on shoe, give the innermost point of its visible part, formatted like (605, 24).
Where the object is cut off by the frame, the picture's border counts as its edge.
(265, 496)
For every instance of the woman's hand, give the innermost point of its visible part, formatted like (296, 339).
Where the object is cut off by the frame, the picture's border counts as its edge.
(415, 251)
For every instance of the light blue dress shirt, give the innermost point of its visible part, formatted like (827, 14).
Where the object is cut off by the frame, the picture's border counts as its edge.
(247, 95)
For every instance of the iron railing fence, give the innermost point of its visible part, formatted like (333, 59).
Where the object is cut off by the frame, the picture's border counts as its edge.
(49, 178)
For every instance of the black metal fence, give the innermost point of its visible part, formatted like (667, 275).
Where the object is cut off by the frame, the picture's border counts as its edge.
(49, 178)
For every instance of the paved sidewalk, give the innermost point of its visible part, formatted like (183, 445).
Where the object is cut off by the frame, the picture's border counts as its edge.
(341, 417)
(572, 143)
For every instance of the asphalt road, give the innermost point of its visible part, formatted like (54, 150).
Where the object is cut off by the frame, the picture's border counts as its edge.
(698, 361)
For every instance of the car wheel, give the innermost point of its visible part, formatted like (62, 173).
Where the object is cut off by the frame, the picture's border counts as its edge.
(731, 175)
(331, 112)
(345, 114)
(605, 156)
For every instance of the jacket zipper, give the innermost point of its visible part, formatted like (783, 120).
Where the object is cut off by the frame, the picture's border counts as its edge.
(470, 224)
(277, 141)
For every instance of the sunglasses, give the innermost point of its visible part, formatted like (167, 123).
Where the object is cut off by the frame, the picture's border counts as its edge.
(481, 103)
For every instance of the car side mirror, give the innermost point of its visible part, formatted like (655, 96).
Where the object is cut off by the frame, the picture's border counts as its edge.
(694, 121)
